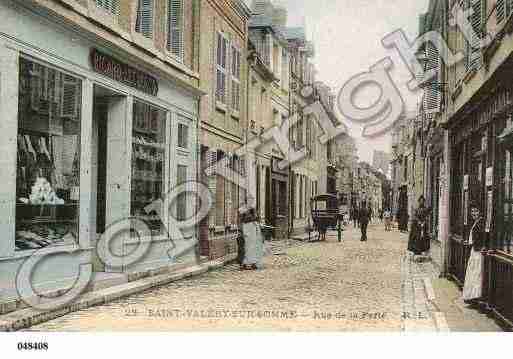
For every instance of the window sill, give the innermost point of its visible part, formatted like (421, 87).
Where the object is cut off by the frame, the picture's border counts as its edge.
(145, 43)
(62, 248)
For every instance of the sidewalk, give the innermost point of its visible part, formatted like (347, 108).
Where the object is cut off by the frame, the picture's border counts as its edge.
(27, 317)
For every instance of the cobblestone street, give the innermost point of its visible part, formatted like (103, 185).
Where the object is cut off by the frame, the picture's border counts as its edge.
(348, 286)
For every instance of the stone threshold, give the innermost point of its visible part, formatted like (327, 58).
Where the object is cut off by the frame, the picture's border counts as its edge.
(27, 317)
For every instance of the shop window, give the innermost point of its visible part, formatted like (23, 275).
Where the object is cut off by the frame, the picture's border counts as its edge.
(183, 136)
(175, 43)
(148, 163)
(181, 201)
(48, 157)
(111, 6)
(144, 22)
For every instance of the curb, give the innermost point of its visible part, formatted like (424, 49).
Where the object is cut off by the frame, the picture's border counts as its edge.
(28, 317)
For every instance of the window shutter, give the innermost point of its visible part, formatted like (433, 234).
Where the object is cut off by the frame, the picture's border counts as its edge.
(500, 10)
(212, 184)
(222, 44)
(474, 51)
(175, 31)
(111, 6)
(228, 192)
(144, 23)
(70, 100)
(235, 79)
(432, 95)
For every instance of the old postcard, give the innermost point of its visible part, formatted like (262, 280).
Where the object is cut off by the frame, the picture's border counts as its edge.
(255, 165)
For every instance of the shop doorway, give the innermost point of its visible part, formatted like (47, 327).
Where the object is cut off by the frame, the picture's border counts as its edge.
(108, 148)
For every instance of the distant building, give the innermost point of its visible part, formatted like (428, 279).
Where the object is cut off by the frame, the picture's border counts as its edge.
(381, 160)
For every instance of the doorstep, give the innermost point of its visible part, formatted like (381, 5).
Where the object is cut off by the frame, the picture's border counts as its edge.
(108, 289)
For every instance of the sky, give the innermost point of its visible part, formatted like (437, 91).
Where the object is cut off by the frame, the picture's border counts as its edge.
(347, 38)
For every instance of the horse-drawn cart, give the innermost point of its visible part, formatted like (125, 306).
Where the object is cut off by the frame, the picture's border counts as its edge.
(326, 215)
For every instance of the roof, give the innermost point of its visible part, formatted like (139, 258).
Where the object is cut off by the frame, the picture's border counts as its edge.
(292, 33)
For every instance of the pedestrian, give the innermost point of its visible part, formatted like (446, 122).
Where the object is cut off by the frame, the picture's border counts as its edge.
(387, 215)
(355, 216)
(364, 218)
(419, 240)
(381, 212)
(473, 288)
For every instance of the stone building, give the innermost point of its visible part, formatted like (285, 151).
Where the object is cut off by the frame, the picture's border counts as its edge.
(466, 126)
(304, 175)
(268, 96)
(222, 59)
(99, 107)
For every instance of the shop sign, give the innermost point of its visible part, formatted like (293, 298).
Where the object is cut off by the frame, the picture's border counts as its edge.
(124, 73)
(489, 176)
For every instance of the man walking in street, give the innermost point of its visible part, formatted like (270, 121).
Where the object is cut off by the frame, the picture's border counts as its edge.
(364, 217)
(355, 216)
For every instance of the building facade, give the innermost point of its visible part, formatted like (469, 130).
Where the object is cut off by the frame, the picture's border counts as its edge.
(269, 106)
(222, 58)
(99, 105)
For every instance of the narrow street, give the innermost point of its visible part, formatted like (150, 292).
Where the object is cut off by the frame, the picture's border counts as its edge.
(348, 286)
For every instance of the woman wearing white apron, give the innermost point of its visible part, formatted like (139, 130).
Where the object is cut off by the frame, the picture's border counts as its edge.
(473, 289)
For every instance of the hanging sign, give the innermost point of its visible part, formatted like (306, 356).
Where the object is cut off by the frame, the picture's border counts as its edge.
(466, 182)
(489, 176)
(121, 72)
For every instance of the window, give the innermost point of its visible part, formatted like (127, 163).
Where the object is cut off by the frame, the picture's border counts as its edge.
(473, 55)
(235, 79)
(111, 6)
(144, 21)
(48, 157)
(504, 10)
(181, 200)
(183, 136)
(222, 56)
(175, 28)
(148, 162)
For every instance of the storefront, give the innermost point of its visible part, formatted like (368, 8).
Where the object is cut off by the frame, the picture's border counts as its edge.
(90, 137)
(481, 173)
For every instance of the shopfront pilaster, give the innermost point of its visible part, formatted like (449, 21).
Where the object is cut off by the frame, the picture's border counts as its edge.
(9, 128)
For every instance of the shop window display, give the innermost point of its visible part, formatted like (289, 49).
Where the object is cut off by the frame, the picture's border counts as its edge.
(48, 157)
(148, 163)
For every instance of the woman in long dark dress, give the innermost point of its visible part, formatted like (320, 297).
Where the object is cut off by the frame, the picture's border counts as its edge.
(419, 241)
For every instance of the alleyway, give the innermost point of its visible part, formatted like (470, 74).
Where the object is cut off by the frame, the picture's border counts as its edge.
(349, 286)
